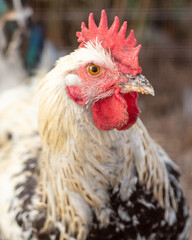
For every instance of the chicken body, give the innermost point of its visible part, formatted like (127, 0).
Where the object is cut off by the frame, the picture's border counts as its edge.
(126, 208)
(85, 179)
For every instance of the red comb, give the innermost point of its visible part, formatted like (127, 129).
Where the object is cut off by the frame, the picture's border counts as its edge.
(122, 49)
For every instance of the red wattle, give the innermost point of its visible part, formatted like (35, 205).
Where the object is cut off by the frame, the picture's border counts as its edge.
(132, 109)
(117, 111)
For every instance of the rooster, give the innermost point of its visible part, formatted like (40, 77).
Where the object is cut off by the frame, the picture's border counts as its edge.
(93, 171)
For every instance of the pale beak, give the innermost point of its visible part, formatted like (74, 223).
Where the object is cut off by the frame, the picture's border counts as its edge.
(137, 84)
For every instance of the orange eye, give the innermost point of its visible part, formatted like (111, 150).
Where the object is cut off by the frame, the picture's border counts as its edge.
(94, 69)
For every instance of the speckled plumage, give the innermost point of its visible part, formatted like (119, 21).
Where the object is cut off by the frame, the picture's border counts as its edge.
(141, 217)
(137, 217)
(76, 181)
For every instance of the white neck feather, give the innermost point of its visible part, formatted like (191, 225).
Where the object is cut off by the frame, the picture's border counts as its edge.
(81, 163)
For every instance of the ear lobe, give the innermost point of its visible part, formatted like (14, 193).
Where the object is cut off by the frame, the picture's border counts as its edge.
(75, 93)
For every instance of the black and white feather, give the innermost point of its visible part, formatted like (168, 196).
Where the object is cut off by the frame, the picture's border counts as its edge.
(87, 184)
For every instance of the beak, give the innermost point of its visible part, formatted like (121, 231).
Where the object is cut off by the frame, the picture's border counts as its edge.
(137, 84)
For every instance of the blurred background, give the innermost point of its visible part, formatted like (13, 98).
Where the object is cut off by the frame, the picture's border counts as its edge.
(35, 33)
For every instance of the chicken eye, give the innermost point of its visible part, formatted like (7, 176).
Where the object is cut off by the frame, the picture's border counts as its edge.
(94, 69)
